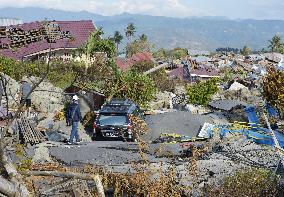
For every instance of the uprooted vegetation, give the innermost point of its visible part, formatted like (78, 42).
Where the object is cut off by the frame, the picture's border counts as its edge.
(252, 182)
(144, 181)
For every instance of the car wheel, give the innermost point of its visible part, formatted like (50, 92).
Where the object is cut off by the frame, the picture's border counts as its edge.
(98, 137)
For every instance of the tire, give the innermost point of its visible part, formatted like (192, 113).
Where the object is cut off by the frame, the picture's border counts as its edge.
(98, 137)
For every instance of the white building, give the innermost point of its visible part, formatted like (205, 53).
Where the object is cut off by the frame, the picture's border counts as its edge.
(10, 21)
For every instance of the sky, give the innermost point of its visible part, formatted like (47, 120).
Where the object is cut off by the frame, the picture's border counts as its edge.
(234, 9)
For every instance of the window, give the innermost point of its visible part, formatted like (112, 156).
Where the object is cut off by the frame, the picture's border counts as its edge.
(113, 120)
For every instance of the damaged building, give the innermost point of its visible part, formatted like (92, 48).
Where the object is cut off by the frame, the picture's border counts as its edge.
(33, 41)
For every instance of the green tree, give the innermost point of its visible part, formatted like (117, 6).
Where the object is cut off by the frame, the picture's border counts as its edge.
(161, 54)
(143, 38)
(201, 92)
(275, 44)
(130, 30)
(160, 77)
(246, 51)
(179, 53)
(136, 87)
(7, 65)
(117, 39)
(138, 46)
(97, 45)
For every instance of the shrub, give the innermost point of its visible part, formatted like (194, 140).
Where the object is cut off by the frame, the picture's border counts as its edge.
(201, 92)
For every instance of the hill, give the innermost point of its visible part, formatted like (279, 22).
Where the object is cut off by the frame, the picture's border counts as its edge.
(203, 33)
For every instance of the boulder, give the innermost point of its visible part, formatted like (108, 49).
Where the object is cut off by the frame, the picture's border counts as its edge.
(12, 88)
(41, 155)
(46, 123)
(47, 98)
(237, 86)
(163, 101)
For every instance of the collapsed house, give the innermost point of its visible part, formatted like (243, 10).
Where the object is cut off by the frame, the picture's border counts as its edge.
(193, 74)
(231, 109)
(34, 41)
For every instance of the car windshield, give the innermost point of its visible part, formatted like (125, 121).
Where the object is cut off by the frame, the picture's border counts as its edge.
(112, 120)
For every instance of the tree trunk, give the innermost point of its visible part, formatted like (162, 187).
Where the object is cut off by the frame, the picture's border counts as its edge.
(95, 178)
(7, 188)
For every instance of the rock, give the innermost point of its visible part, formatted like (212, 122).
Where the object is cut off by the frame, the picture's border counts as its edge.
(237, 86)
(46, 97)
(41, 155)
(55, 136)
(163, 101)
(46, 124)
(13, 88)
(196, 109)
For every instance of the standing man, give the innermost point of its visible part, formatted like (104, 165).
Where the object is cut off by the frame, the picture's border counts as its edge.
(74, 116)
(26, 97)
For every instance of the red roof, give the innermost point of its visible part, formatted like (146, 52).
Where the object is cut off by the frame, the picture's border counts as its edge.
(145, 56)
(122, 63)
(79, 30)
(30, 26)
(126, 64)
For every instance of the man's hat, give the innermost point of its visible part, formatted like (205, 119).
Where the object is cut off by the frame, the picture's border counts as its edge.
(75, 97)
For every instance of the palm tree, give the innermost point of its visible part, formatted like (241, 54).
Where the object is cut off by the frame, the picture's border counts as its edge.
(143, 38)
(275, 44)
(130, 30)
(117, 38)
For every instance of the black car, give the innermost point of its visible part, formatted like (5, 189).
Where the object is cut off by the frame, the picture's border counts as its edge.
(114, 121)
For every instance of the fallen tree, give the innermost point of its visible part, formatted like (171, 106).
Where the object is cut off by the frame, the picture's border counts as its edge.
(95, 178)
